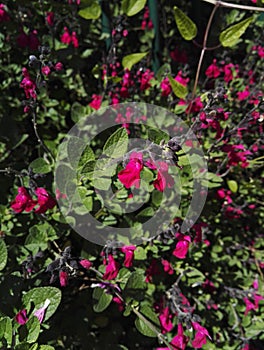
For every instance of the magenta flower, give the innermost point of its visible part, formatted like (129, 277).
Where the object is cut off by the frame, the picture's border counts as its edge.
(85, 263)
(212, 71)
(167, 267)
(111, 268)
(28, 85)
(180, 341)
(63, 278)
(21, 317)
(45, 200)
(242, 95)
(50, 18)
(23, 201)
(96, 102)
(200, 336)
(131, 174)
(66, 36)
(180, 79)
(165, 319)
(46, 70)
(165, 87)
(164, 179)
(129, 255)
(3, 14)
(182, 246)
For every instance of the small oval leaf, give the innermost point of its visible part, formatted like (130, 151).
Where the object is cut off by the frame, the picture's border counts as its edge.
(229, 37)
(233, 186)
(186, 26)
(179, 90)
(132, 7)
(92, 11)
(129, 60)
(3, 254)
(102, 299)
(116, 145)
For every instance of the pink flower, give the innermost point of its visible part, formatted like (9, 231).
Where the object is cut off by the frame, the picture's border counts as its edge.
(165, 320)
(23, 201)
(129, 255)
(180, 79)
(131, 174)
(50, 18)
(28, 85)
(200, 336)
(167, 267)
(145, 79)
(74, 39)
(212, 71)
(242, 95)
(236, 155)
(40, 313)
(63, 278)
(85, 263)
(58, 66)
(119, 302)
(66, 37)
(164, 179)
(96, 102)
(165, 87)
(182, 246)
(180, 341)
(21, 317)
(111, 268)
(222, 193)
(3, 14)
(45, 200)
(46, 70)
(229, 72)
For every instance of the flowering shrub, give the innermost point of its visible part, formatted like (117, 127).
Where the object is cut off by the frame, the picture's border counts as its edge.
(67, 63)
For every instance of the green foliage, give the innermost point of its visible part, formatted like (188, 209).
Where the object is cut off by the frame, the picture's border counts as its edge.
(230, 36)
(92, 9)
(132, 7)
(130, 60)
(179, 90)
(185, 25)
(3, 254)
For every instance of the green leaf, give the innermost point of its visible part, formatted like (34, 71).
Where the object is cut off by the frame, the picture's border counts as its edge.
(102, 183)
(186, 26)
(132, 7)
(163, 72)
(36, 239)
(77, 111)
(144, 326)
(135, 286)
(140, 254)
(73, 148)
(179, 90)
(3, 254)
(46, 347)
(195, 276)
(129, 60)
(87, 156)
(6, 330)
(39, 295)
(116, 144)
(40, 166)
(29, 332)
(91, 11)
(233, 186)
(102, 299)
(229, 37)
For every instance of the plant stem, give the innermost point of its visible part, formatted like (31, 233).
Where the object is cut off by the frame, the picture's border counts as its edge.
(235, 6)
(34, 121)
(204, 48)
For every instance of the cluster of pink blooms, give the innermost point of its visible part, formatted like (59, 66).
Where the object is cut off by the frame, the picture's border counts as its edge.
(69, 38)
(24, 201)
(64, 275)
(21, 316)
(146, 22)
(166, 87)
(130, 176)
(252, 301)
(28, 85)
(112, 266)
(180, 341)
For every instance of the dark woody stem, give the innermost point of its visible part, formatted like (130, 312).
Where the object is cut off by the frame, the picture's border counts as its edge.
(40, 141)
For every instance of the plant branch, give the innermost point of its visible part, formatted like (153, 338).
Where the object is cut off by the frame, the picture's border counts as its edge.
(235, 6)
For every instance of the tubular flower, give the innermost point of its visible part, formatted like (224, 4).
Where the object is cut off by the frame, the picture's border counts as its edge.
(131, 174)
